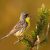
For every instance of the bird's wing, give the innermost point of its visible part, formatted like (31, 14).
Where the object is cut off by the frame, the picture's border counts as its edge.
(16, 28)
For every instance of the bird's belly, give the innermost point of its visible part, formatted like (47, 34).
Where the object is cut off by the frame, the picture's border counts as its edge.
(19, 33)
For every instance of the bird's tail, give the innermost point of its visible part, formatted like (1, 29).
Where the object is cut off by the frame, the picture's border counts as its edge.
(11, 32)
(5, 36)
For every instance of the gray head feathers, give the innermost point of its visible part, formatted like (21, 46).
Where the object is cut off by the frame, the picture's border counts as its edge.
(23, 15)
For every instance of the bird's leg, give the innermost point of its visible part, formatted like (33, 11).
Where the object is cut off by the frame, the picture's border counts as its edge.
(21, 37)
(38, 42)
(18, 39)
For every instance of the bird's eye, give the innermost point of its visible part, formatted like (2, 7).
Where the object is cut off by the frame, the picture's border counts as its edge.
(26, 15)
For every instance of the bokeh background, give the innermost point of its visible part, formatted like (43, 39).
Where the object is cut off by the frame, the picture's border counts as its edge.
(9, 15)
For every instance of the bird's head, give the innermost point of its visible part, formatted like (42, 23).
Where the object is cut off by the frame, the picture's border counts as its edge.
(25, 16)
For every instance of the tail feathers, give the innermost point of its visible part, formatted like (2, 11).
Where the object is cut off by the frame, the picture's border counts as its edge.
(5, 36)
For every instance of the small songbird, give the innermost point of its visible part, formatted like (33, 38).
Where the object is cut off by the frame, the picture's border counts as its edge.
(20, 27)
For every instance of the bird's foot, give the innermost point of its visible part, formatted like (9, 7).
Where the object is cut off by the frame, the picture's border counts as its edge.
(16, 42)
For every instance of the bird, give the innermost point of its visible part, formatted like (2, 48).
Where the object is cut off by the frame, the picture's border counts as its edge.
(20, 27)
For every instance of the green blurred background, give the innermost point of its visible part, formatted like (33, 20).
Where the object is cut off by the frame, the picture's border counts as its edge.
(9, 15)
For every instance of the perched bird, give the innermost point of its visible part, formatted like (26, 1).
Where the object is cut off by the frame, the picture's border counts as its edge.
(20, 27)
